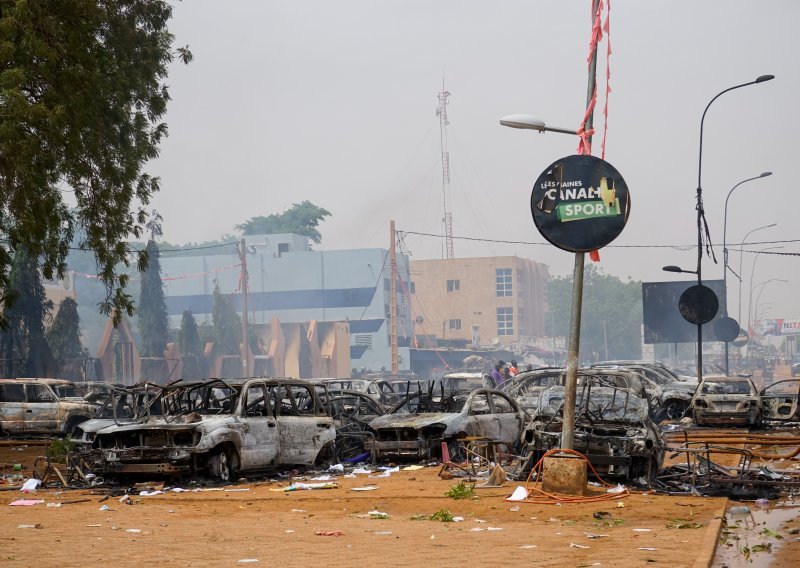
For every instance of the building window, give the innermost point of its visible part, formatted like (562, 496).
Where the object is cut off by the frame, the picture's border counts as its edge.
(503, 281)
(454, 325)
(453, 285)
(363, 340)
(411, 288)
(505, 321)
(283, 247)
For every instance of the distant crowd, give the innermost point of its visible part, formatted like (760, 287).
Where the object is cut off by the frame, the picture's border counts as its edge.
(503, 372)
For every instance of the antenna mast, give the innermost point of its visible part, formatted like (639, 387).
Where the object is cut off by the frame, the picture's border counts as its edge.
(441, 112)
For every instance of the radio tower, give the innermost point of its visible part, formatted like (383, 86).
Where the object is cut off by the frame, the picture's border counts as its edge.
(441, 112)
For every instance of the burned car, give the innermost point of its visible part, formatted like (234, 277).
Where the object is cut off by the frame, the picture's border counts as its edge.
(612, 429)
(352, 411)
(726, 401)
(42, 406)
(220, 428)
(779, 401)
(417, 426)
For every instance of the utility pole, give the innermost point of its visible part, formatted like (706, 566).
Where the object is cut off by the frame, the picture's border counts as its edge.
(441, 112)
(393, 296)
(243, 281)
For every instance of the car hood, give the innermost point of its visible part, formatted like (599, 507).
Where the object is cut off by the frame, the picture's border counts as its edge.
(415, 421)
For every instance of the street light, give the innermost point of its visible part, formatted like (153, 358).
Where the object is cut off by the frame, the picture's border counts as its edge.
(741, 256)
(763, 286)
(701, 212)
(528, 122)
(752, 272)
(725, 266)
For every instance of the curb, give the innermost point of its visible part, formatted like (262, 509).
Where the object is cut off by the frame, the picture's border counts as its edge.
(710, 540)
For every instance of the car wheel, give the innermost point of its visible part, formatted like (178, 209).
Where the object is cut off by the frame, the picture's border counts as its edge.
(223, 464)
(674, 410)
(73, 423)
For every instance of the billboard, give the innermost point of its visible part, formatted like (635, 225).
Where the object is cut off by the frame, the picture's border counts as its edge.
(663, 322)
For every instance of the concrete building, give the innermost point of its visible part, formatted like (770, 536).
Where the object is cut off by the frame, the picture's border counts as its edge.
(479, 298)
(290, 281)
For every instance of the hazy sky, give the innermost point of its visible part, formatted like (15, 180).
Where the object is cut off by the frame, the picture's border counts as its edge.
(335, 102)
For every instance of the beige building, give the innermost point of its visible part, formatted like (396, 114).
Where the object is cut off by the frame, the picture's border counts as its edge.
(504, 296)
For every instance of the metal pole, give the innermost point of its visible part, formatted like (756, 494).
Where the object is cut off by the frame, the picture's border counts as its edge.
(393, 297)
(245, 343)
(571, 386)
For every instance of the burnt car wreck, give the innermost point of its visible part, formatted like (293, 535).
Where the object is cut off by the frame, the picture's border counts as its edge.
(219, 428)
(417, 427)
(612, 429)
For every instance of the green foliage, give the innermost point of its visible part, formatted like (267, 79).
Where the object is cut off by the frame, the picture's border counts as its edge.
(227, 325)
(58, 449)
(152, 310)
(612, 314)
(191, 347)
(461, 491)
(442, 516)
(82, 92)
(301, 219)
(64, 336)
(24, 337)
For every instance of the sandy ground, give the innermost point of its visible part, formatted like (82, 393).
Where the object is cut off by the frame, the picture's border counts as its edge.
(253, 522)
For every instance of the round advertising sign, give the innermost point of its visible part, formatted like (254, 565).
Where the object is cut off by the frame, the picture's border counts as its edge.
(698, 304)
(580, 203)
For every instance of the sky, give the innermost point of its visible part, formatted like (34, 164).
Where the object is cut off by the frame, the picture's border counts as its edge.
(334, 102)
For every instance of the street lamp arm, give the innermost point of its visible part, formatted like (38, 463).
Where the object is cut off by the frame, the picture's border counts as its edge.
(759, 79)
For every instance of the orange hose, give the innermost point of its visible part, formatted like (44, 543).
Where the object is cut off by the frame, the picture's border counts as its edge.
(544, 498)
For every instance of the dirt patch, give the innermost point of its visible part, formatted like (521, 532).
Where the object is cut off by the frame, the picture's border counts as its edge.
(300, 528)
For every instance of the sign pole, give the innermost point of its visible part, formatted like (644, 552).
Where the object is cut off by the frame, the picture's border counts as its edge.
(571, 386)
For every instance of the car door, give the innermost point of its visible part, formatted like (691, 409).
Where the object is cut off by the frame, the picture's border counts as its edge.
(259, 429)
(486, 423)
(42, 410)
(303, 428)
(508, 419)
(13, 404)
(779, 401)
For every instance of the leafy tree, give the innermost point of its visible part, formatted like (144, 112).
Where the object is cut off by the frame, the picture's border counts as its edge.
(227, 325)
(611, 314)
(301, 219)
(152, 310)
(194, 362)
(24, 338)
(82, 93)
(64, 336)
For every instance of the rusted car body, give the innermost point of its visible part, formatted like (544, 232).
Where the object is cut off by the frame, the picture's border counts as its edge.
(220, 427)
(416, 427)
(613, 428)
(351, 411)
(42, 406)
(726, 401)
(779, 401)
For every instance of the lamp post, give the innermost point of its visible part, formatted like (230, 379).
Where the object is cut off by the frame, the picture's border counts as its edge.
(752, 272)
(725, 267)
(701, 212)
(528, 122)
(741, 256)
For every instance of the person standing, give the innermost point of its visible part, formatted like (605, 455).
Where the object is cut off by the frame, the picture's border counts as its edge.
(513, 370)
(497, 374)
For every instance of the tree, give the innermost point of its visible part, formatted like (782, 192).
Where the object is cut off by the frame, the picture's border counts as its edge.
(227, 325)
(24, 338)
(611, 315)
(64, 336)
(301, 219)
(152, 310)
(191, 347)
(82, 92)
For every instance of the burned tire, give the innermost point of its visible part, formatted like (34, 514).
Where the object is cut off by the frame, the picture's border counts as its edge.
(223, 464)
(673, 410)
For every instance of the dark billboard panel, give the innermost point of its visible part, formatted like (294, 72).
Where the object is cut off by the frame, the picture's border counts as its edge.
(663, 322)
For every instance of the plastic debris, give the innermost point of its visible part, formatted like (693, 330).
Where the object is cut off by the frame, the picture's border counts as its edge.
(36, 526)
(642, 530)
(378, 515)
(573, 545)
(519, 494)
(494, 528)
(413, 467)
(618, 489)
(133, 530)
(337, 467)
(527, 546)
(25, 502)
(53, 505)
(367, 488)
(329, 533)
(307, 486)
(741, 510)
(248, 561)
(647, 548)
(30, 485)
(458, 519)
(104, 508)
(594, 536)
(620, 504)
(514, 509)
(382, 533)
